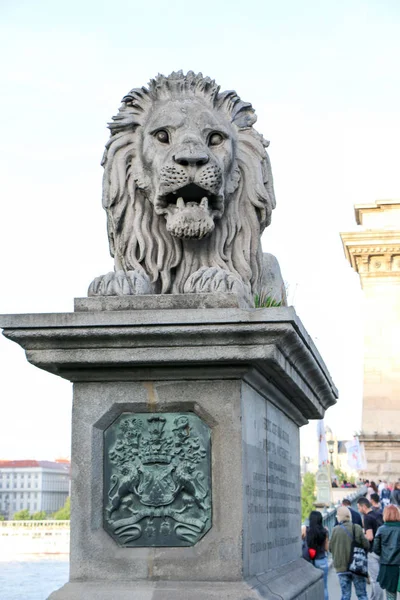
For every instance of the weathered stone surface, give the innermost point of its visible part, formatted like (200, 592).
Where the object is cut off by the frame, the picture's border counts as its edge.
(246, 554)
(272, 284)
(188, 191)
(299, 580)
(160, 302)
(79, 346)
(252, 377)
(271, 470)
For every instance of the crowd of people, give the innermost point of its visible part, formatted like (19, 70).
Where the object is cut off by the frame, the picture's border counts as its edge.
(365, 544)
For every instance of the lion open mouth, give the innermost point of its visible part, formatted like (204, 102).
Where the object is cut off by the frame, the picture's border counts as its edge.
(190, 211)
(192, 194)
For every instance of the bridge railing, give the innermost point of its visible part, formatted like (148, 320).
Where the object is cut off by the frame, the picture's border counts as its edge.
(20, 538)
(48, 524)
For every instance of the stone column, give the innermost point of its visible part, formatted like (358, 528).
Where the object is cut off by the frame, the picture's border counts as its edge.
(245, 380)
(374, 252)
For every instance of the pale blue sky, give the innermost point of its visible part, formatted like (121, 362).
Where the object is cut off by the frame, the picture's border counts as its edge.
(324, 79)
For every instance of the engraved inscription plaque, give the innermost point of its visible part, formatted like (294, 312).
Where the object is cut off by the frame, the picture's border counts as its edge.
(271, 462)
(157, 479)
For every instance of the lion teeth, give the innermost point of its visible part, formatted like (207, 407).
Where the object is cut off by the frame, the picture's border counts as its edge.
(204, 203)
(180, 203)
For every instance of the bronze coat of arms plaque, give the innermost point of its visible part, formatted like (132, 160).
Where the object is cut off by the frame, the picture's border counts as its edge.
(157, 479)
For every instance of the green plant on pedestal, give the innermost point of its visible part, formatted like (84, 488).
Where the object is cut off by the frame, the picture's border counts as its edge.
(264, 301)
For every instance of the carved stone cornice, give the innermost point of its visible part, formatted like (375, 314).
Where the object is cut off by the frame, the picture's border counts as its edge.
(138, 345)
(373, 253)
(381, 438)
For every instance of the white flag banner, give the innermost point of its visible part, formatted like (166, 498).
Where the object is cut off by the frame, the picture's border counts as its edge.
(322, 446)
(364, 464)
(355, 455)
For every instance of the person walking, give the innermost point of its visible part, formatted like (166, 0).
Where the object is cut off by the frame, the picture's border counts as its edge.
(384, 495)
(340, 546)
(395, 496)
(317, 538)
(371, 522)
(387, 546)
(355, 516)
(372, 489)
(376, 505)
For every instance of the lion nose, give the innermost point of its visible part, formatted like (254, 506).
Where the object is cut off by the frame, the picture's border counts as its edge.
(193, 159)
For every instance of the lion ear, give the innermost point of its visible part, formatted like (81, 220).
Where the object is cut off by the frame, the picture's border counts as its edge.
(242, 113)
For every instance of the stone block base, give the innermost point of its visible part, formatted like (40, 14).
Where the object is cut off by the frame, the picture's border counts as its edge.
(296, 581)
(252, 378)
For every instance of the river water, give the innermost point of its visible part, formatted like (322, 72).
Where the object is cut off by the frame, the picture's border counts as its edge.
(33, 577)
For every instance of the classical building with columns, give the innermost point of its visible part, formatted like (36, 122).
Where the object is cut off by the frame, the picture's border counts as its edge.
(373, 251)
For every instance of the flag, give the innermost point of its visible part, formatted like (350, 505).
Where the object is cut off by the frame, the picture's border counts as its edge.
(356, 455)
(364, 465)
(323, 459)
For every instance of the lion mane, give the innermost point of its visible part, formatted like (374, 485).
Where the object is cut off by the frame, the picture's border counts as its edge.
(138, 236)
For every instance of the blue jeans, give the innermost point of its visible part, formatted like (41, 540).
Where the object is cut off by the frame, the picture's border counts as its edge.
(322, 563)
(360, 586)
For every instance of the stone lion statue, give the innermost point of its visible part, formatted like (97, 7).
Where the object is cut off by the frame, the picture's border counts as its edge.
(188, 192)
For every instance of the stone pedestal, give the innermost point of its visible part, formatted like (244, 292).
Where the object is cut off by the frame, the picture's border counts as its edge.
(324, 487)
(252, 376)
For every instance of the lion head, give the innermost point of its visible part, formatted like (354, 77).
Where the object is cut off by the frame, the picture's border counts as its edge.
(187, 186)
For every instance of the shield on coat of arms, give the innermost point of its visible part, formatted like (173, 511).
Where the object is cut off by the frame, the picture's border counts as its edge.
(157, 488)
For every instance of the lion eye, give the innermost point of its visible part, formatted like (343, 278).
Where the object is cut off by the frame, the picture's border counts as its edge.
(162, 136)
(215, 139)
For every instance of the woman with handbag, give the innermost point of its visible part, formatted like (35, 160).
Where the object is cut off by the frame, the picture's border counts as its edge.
(349, 548)
(387, 546)
(316, 545)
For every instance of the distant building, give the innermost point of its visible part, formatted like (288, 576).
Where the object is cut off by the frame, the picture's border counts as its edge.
(374, 253)
(36, 485)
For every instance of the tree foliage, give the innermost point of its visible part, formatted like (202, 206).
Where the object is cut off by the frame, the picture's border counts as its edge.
(39, 516)
(25, 515)
(307, 495)
(343, 476)
(22, 515)
(64, 513)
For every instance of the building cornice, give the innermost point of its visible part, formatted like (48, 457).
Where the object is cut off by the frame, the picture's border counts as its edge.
(373, 253)
(378, 205)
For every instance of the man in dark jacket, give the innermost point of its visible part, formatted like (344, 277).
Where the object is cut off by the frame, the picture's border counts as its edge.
(371, 522)
(340, 546)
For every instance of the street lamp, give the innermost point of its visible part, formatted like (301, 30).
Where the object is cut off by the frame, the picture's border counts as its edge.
(306, 462)
(331, 444)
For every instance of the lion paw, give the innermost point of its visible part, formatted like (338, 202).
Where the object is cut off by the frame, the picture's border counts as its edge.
(214, 279)
(119, 283)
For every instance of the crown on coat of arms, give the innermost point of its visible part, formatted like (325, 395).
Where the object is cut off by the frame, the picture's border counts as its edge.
(156, 448)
